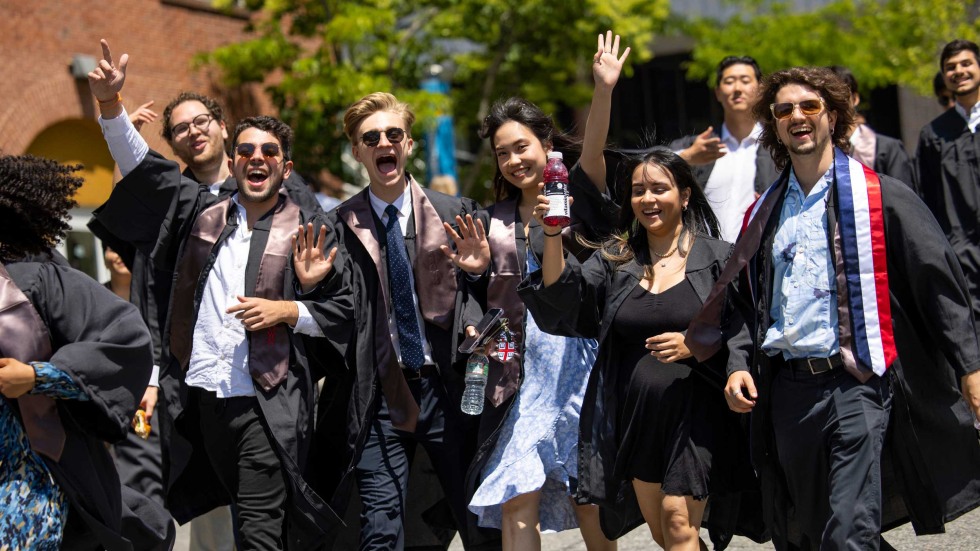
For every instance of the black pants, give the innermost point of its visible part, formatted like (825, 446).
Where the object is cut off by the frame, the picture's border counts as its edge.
(246, 463)
(829, 431)
(382, 471)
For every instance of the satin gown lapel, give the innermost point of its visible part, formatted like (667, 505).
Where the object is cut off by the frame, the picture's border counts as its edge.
(435, 274)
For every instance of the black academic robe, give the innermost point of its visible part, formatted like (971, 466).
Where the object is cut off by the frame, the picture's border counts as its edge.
(765, 169)
(931, 458)
(892, 160)
(99, 340)
(349, 398)
(583, 303)
(153, 210)
(948, 159)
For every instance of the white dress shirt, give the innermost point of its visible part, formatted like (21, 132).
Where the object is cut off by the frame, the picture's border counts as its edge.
(731, 186)
(404, 205)
(972, 118)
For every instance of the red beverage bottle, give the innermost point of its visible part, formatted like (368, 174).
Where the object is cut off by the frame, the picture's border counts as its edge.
(556, 190)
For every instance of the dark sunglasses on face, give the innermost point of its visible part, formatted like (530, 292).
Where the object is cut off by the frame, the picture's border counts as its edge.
(201, 122)
(808, 107)
(372, 138)
(246, 150)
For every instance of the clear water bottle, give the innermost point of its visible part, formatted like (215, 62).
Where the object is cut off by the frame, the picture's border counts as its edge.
(477, 368)
(556, 190)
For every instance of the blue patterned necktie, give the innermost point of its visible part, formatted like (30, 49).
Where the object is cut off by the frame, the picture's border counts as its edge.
(400, 288)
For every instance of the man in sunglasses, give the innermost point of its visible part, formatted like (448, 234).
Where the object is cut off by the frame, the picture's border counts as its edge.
(236, 382)
(413, 310)
(728, 162)
(851, 319)
(948, 157)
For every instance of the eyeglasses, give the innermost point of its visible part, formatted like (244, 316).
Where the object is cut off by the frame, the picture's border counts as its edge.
(201, 122)
(246, 150)
(808, 107)
(372, 138)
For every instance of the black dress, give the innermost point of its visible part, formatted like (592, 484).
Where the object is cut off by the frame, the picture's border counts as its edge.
(665, 431)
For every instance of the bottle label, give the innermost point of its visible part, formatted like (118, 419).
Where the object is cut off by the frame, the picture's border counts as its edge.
(557, 194)
(478, 365)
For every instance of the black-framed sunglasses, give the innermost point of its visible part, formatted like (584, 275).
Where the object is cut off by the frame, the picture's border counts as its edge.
(268, 149)
(808, 107)
(372, 138)
(201, 122)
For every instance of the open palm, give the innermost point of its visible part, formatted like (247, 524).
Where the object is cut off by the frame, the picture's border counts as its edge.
(607, 63)
(472, 252)
(309, 262)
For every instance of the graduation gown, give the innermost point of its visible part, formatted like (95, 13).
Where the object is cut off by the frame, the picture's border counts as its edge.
(892, 160)
(931, 457)
(153, 210)
(99, 340)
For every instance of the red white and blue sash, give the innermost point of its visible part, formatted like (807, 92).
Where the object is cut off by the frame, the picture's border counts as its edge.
(861, 227)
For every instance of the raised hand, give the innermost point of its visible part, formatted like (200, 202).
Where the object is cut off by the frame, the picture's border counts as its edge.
(706, 148)
(309, 262)
(472, 252)
(141, 116)
(107, 79)
(607, 64)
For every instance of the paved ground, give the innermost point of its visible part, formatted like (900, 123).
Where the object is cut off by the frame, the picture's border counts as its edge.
(962, 535)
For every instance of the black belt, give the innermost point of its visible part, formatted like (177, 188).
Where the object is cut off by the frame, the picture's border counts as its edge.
(427, 370)
(816, 365)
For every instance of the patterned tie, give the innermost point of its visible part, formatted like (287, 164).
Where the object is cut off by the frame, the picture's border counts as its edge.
(400, 287)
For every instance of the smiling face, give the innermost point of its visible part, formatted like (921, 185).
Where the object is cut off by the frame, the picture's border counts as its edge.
(961, 73)
(385, 162)
(804, 134)
(737, 89)
(259, 175)
(521, 157)
(197, 148)
(658, 204)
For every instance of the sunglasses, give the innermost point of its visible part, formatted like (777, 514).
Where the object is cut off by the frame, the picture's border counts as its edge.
(201, 122)
(808, 107)
(372, 138)
(246, 150)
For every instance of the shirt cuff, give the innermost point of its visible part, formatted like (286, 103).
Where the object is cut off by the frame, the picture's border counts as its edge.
(55, 383)
(126, 145)
(154, 377)
(305, 324)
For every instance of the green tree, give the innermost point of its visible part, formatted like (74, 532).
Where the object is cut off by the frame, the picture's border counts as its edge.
(318, 56)
(882, 41)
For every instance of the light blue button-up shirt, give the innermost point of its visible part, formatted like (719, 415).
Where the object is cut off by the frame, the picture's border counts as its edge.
(804, 294)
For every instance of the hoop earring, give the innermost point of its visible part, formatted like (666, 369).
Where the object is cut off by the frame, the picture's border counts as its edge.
(684, 208)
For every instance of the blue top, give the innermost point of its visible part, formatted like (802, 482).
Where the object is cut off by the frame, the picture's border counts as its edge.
(804, 293)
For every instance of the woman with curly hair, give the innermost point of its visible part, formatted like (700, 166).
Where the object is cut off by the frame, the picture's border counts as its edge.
(74, 361)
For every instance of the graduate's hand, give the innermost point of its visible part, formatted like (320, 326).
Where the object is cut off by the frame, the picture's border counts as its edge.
(740, 392)
(259, 313)
(668, 347)
(142, 115)
(106, 80)
(970, 385)
(149, 401)
(472, 248)
(705, 149)
(16, 378)
(310, 264)
(607, 64)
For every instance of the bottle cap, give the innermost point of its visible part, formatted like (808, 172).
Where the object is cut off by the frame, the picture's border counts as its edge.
(554, 155)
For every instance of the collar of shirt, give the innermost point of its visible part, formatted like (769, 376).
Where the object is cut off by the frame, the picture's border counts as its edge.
(972, 118)
(729, 140)
(403, 203)
(240, 215)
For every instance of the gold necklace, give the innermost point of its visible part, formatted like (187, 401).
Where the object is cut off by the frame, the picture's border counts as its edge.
(664, 256)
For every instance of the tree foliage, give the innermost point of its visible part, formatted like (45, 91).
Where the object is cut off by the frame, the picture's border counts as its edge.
(318, 56)
(882, 41)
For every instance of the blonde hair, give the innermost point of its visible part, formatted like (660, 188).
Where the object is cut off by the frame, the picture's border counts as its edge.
(375, 103)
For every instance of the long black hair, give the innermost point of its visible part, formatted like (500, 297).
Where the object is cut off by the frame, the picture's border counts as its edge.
(541, 125)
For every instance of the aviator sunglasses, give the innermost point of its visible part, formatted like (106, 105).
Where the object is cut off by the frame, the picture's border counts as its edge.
(808, 107)
(246, 150)
(372, 138)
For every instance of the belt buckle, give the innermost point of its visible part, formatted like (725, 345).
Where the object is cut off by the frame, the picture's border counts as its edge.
(412, 374)
(823, 363)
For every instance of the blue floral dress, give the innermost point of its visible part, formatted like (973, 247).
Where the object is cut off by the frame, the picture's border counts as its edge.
(537, 448)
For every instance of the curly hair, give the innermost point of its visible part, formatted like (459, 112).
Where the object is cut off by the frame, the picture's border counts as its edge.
(35, 197)
(210, 103)
(835, 93)
(541, 125)
(273, 126)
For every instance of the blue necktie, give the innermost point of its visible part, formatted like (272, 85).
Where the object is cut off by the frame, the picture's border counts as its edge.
(400, 287)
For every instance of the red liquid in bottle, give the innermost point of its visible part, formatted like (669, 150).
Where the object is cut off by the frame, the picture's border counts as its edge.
(556, 190)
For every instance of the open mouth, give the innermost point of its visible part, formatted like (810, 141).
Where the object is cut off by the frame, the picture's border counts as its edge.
(801, 131)
(386, 164)
(650, 213)
(520, 173)
(256, 177)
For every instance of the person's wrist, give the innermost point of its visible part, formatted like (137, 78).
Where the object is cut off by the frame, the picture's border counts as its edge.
(111, 101)
(556, 234)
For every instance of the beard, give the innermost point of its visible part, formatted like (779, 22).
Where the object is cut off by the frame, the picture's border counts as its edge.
(809, 148)
(253, 196)
(970, 90)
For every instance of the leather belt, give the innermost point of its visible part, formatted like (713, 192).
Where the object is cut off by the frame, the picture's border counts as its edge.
(427, 370)
(816, 366)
